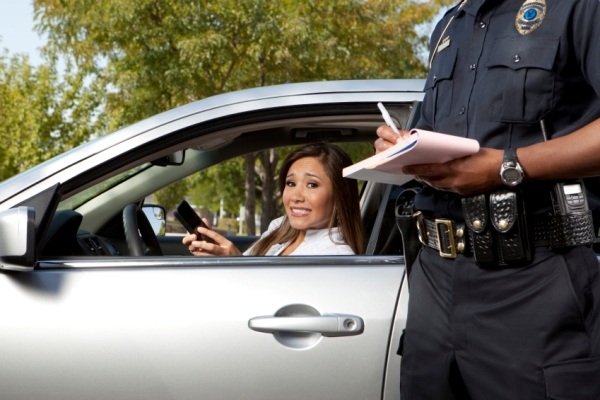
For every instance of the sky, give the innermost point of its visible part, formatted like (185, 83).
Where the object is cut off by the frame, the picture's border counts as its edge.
(16, 29)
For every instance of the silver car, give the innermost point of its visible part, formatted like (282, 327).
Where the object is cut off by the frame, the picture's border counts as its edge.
(82, 316)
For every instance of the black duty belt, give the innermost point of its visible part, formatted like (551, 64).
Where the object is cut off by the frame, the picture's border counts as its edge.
(498, 233)
(451, 238)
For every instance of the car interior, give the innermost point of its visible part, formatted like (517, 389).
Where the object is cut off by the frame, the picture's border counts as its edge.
(88, 217)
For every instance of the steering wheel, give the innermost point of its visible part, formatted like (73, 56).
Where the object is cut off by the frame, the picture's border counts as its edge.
(140, 237)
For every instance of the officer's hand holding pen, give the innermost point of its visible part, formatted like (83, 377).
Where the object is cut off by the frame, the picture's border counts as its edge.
(389, 134)
(387, 137)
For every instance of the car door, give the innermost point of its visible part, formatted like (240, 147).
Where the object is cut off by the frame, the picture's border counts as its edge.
(190, 328)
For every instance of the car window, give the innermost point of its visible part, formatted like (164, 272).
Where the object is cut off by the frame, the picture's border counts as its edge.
(82, 197)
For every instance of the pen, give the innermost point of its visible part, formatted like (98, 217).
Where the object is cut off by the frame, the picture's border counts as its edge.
(387, 118)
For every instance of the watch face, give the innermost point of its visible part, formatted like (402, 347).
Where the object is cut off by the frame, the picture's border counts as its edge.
(511, 175)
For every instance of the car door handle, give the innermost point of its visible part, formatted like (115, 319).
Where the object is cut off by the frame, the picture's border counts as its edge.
(326, 324)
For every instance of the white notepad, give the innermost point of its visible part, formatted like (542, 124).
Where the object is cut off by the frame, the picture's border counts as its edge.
(420, 147)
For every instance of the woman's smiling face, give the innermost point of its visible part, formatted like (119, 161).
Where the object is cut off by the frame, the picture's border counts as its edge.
(308, 195)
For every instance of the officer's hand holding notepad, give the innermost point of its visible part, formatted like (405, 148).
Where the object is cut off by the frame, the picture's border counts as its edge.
(420, 147)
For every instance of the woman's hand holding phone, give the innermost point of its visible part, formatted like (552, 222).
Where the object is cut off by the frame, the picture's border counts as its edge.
(189, 219)
(201, 240)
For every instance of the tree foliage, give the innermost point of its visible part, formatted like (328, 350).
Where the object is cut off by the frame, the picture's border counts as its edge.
(142, 57)
(153, 55)
(42, 114)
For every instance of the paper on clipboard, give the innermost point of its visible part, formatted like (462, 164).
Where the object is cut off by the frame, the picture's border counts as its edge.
(420, 147)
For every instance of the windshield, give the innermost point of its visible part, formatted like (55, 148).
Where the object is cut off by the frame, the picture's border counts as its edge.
(82, 197)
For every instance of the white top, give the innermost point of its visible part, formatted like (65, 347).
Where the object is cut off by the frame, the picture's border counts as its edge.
(317, 242)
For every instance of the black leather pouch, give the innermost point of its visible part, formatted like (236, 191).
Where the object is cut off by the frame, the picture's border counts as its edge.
(475, 210)
(498, 229)
(507, 214)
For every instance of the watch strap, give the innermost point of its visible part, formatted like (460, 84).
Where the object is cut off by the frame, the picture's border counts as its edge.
(510, 156)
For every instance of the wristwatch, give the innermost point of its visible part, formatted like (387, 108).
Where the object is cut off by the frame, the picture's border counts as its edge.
(511, 172)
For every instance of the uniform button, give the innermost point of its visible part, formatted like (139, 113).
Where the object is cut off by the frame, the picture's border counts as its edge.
(462, 110)
(472, 66)
(517, 58)
(434, 77)
(482, 25)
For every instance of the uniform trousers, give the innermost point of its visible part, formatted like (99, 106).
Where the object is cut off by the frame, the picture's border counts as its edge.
(507, 333)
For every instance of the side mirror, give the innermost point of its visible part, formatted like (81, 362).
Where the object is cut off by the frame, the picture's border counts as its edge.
(17, 239)
(157, 217)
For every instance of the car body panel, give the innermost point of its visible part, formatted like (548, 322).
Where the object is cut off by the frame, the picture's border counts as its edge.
(126, 333)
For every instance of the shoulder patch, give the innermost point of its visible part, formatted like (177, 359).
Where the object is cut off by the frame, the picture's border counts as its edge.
(530, 16)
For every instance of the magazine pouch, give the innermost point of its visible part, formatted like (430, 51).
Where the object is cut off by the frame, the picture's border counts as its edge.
(498, 229)
(475, 211)
(507, 214)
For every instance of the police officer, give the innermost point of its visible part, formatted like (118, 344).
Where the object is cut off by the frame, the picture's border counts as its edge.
(501, 305)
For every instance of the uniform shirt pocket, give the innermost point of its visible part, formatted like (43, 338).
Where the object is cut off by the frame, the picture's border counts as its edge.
(524, 65)
(438, 82)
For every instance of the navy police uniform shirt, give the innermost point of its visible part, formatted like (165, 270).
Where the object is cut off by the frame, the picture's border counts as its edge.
(498, 67)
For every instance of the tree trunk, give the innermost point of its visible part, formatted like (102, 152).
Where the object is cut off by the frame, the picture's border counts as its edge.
(250, 189)
(268, 160)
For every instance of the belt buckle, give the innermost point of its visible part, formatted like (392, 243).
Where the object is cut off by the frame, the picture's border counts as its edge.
(446, 226)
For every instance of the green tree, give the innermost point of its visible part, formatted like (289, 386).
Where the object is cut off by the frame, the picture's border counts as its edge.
(42, 115)
(142, 57)
(171, 197)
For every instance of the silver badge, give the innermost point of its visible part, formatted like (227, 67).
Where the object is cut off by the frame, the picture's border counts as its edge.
(530, 16)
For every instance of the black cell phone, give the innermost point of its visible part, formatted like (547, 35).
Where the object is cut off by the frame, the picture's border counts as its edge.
(190, 220)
